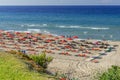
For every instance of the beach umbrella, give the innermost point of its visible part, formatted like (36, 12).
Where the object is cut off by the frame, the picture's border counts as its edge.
(56, 38)
(30, 36)
(75, 37)
(36, 35)
(1, 31)
(68, 46)
(21, 38)
(17, 32)
(43, 37)
(50, 35)
(27, 32)
(48, 41)
(62, 36)
(11, 36)
(69, 39)
(0, 34)
(63, 41)
(34, 39)
(7, 32)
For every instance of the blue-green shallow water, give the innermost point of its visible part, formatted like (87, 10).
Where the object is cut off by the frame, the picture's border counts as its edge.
(96, 22)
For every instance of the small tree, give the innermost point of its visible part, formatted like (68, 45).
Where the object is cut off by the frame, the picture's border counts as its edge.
(42, 59)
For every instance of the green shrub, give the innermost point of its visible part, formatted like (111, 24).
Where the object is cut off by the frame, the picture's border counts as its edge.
(42, 59)
(49, 59)
(12, 52)
(112, 74)
(65, 77)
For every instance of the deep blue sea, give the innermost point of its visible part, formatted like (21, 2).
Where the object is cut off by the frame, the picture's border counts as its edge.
(96, 22)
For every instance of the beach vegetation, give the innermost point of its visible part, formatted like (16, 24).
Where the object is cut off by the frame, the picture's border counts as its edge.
(38, 62)
(12, 51)
(113, 73)
(20, 54)
(13, 68)
(42, 59)
(65, 77)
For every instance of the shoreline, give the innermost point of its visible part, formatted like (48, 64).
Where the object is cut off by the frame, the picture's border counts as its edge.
(32, 31)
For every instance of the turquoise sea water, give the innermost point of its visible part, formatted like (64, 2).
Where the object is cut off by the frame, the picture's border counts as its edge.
(96, 22)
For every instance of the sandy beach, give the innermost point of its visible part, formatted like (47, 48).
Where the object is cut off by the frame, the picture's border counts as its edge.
(86, 70)
(82, 59)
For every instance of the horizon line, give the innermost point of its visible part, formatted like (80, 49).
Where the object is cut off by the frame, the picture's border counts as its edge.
(67, 5)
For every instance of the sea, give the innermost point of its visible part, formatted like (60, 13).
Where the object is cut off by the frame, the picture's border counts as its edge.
(87, 22)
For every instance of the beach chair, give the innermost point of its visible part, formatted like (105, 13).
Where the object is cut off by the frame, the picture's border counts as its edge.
(109, 49)
(95, 61)
(97, 57)
(102, 53)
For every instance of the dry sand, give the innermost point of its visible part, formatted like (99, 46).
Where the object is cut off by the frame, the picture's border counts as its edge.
(82, 69)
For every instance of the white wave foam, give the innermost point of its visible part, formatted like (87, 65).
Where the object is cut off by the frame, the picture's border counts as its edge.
(34, 25)
(68, 26)
(74, 26)
(28, 25)
(22, 25)
(96, 28)
(54, 34)
(10, 30)
(38, 31)
(26, 31)
(62, 26)
(93, 28)
(85, 32)
(34, 30)
(47, 32)
(44, 24)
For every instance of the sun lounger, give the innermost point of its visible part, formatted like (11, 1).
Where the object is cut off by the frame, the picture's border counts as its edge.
(97, 57)
(95, 61)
